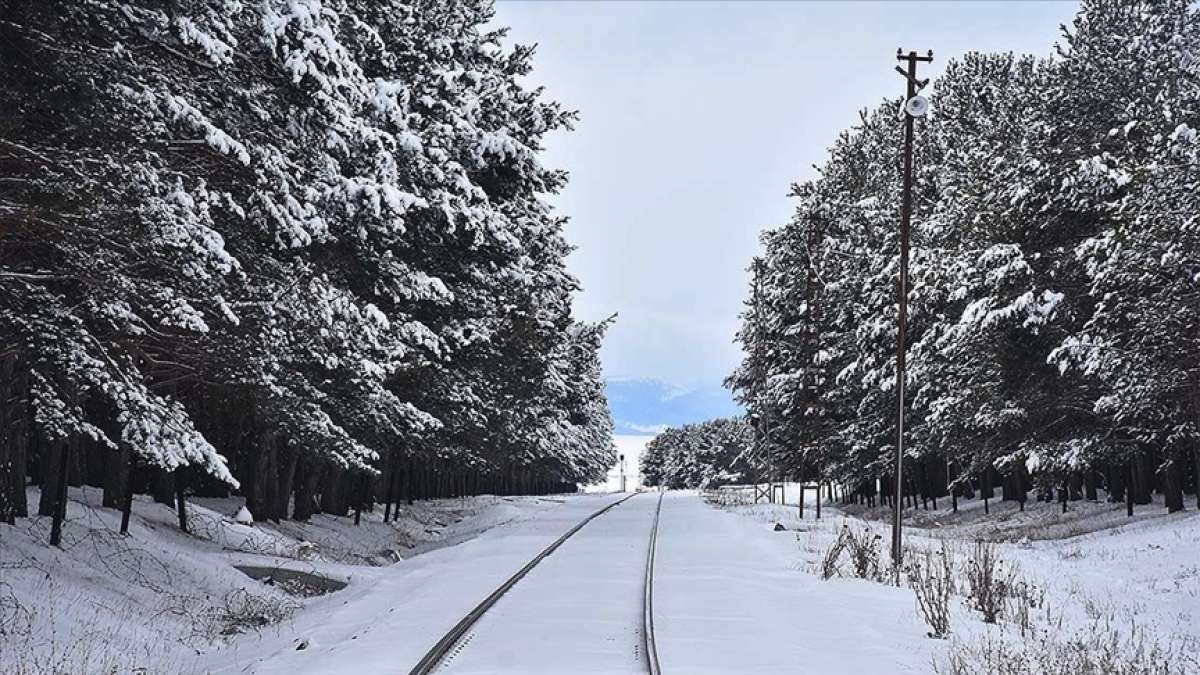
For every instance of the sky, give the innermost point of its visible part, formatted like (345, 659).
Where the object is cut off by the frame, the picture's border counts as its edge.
(696, 117)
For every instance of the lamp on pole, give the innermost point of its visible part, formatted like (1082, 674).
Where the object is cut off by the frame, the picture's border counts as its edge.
(914, 106)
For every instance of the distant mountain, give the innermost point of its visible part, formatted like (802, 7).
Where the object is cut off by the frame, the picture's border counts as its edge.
(644, 406)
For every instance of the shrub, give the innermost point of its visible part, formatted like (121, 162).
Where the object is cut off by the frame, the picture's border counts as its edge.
(863, 546)
(989, 581)
(931, 577)
(829, 563)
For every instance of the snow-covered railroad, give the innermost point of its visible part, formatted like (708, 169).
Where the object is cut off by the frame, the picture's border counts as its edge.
(586, 608)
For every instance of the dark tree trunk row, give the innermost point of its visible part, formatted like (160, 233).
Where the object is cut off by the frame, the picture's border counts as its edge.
(1133, 482)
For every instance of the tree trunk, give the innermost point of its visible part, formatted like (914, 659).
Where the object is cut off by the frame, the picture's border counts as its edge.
(1196, 473)
(1008, 491)
(127, 502)
(116, 475)
(60, 497)
(7, 438)
(393, 472)
(262, 481)
(1089, 485)
(363, 488)
(52, 464)
(23, 434)
(1129, 490)
(1075, 486)
(408, 481)
(333, 499)
(287, 477)
(180, 501)
(308, 472)
(1115, 478)
(1143, 479)
(1172, 475)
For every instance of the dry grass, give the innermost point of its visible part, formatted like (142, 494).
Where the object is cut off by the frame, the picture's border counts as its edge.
(1100, 649)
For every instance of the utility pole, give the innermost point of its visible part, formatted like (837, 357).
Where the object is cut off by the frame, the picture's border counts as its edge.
(759, 385)
(914, 106)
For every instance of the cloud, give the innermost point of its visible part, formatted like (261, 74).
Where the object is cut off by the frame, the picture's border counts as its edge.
(675, 392)
(647, 406)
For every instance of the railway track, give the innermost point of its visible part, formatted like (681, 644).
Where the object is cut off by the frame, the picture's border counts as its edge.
(436, 656)
(651, 650)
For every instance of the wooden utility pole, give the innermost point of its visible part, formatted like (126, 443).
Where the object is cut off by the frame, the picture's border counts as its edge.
(912, 86)
(760, 378)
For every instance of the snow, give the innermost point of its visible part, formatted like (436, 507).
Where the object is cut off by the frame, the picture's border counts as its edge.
(736, 588)
(244, 517)
(1095, 567)
(579, 611)
(171, 602)
(731, 596)
(388, 623)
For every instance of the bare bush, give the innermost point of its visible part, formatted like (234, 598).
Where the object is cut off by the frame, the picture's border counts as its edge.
(89, 647)
(829, 563)
(931, 576)
(864, 553)
(989, 581)
(238, 611)
(15, 618)
(241, 611)
(862, 545)
(1023, 598)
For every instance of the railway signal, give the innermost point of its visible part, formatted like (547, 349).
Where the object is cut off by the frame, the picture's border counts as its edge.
(914, 106)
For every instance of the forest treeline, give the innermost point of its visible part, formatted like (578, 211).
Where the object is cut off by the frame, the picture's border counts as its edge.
(703, 455)
(299, 249)
(1055, 284)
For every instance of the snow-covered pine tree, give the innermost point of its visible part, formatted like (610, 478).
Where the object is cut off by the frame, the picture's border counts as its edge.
(286, 242)
(703, 455)
(1051, 296)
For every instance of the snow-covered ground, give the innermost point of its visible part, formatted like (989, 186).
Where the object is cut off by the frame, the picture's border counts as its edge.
(169, 602)
(737, 589)
(1092, 574)
(734, 596)
(387, 625)
(579, 611)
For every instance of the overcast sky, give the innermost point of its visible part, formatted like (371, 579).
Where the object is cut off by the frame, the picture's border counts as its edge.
(696, 118)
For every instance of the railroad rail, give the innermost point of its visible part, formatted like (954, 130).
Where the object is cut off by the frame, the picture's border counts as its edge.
(651, 650)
